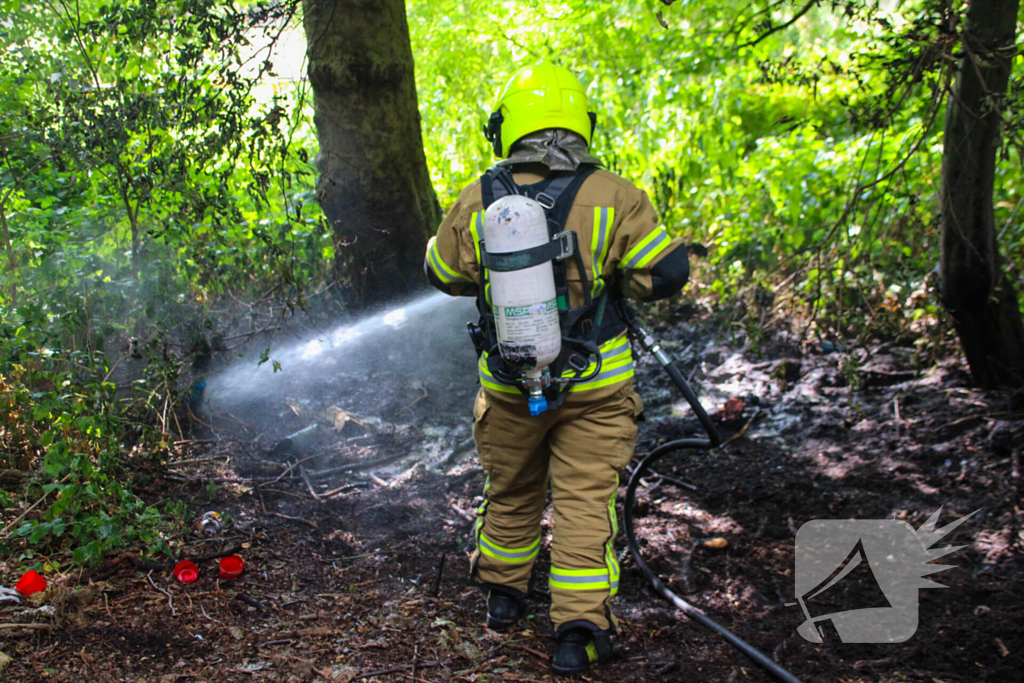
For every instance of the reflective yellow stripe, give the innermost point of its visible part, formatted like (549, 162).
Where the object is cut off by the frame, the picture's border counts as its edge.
(582, 579)
(606, 578)
(616, 366)
(476, 228)
(606, 378)
(649, 247)
(611, 350)
(488, 380)
(617, 353)
(442, 270)
(599, 244)
(614, 570)
(510, 555)
(481, 511)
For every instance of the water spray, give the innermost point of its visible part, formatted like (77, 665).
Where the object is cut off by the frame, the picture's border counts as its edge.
(645, 340)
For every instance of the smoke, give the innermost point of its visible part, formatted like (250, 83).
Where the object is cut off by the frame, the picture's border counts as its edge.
(370, 366)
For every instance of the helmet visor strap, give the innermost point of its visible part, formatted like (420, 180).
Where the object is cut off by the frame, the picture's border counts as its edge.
(493, 131)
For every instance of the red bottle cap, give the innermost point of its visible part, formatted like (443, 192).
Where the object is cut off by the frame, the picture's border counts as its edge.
(231, 567)
(30, 582)
(186, 571)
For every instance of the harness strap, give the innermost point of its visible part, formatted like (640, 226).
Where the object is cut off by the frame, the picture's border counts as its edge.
(582, 331)
(562, 246)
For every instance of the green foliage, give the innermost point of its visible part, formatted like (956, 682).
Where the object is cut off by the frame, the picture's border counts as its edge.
(150, 156)
(148, 167)
(150, 172)
(805, 154)
(57, 410)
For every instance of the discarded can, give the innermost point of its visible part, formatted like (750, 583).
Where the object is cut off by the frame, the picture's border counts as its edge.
(186, 571)
(211, 523)
(30, 582)
(231, 567)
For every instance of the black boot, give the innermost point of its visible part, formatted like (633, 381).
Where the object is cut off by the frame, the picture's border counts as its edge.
(503, 610)
(579, 648)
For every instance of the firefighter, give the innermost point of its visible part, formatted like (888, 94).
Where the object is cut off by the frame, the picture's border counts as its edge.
(582, 440)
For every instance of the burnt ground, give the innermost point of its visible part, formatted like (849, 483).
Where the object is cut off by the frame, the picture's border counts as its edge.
(370, 581)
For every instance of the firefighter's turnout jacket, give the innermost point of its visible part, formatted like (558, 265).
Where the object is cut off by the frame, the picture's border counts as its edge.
(583, 445)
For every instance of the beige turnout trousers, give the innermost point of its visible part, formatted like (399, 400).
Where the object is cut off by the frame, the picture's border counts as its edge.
(580, 448)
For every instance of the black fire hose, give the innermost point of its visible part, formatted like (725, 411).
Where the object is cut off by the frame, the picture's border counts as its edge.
(645, 340)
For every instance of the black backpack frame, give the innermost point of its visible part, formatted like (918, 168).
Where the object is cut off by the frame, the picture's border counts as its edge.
(583, 328)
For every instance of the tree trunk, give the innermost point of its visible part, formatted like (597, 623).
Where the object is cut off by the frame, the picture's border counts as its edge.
(374, 186)
(975, 288)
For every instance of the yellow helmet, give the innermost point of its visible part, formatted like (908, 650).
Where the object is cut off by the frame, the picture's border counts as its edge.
(540, 96)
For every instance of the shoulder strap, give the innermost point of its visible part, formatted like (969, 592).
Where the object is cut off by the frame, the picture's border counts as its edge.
(495, 183)
(565, 194)
(555, 193)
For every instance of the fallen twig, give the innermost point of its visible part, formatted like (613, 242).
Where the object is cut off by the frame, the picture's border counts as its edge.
(673, 480)
(295, 519)
(217, 555)
(999, 463)
(287, 470)
(309, 484)
(437, 579)
(393, 670)
(369, 464)
(102, 571)
(343, 489)
(221, 480)
(170, 600)
(142, 565)
(34, 627)
(191, 461)
(365, 583)
(249, 600)
(281, 641)
(533, 652)
(896, 413)
(481, 667)
(216, 621)
(743, 431)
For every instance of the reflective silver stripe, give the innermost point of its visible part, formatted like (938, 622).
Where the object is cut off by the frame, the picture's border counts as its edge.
(620, 344)
(617, 349)
(608, 374)
(656, 244)
(441, 269)
(562, 578)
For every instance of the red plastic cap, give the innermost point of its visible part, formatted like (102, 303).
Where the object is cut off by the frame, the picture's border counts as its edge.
(30, 582)
(231, 567)
(186, 571)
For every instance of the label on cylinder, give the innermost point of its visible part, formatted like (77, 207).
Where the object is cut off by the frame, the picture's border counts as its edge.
(534, 329)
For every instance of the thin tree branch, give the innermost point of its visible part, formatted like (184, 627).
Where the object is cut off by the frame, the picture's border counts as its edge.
(782, 27)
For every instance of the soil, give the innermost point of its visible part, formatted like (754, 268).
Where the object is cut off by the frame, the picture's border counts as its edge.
(372, 583)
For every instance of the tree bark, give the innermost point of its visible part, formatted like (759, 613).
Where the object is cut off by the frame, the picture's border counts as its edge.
(975, 288)
(374, 186)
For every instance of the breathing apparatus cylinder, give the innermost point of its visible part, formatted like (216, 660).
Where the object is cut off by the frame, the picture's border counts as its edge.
(524, 301)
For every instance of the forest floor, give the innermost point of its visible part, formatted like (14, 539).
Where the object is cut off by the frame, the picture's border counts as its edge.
(369, 579)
